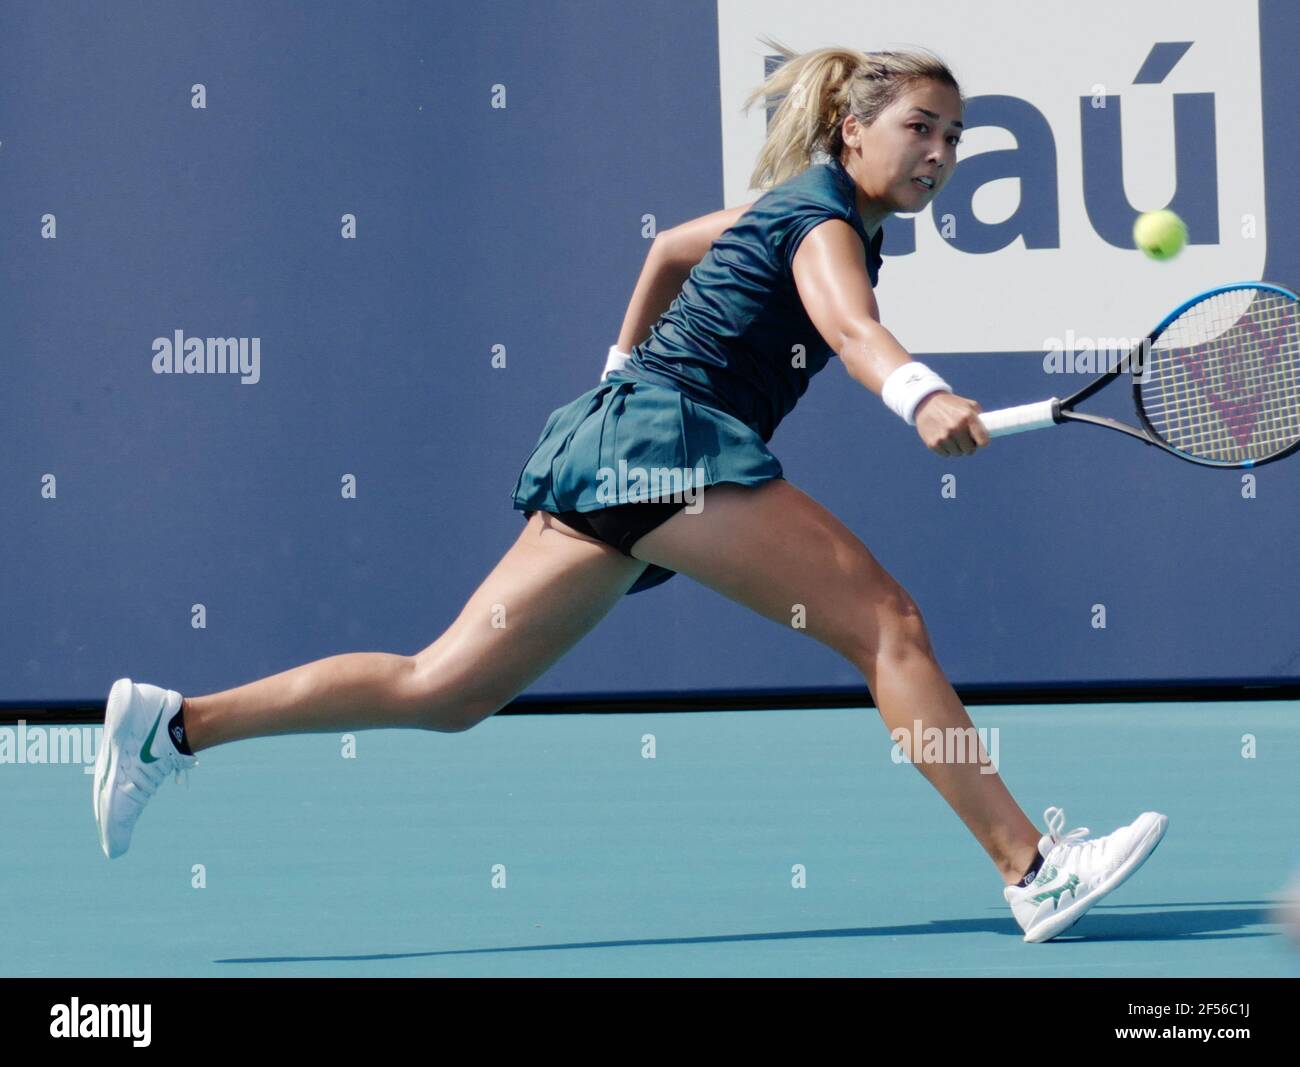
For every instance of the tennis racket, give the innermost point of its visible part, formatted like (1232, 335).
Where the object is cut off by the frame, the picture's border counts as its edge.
(1216, 383)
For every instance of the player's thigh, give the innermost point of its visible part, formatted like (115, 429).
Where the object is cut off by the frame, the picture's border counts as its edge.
(776, 550)
(549, 589)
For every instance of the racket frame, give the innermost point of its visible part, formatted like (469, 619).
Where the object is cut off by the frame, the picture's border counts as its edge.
(1061, 410)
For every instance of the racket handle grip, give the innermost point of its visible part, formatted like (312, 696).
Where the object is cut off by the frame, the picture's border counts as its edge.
(1019, 419)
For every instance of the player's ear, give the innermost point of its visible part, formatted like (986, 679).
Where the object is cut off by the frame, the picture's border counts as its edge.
(851, 130)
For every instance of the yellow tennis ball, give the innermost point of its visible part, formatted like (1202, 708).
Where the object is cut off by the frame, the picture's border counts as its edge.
(1160, 234)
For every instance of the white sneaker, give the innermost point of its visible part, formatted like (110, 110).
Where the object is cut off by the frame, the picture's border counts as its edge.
(1078, 872)
(135, 756)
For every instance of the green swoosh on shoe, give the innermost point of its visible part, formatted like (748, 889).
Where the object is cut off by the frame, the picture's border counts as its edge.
(145, 754)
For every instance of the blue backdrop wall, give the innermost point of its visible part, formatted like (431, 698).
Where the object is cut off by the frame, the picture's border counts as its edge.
(128, 497)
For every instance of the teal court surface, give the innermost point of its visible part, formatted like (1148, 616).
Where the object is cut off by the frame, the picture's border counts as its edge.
(763, 843)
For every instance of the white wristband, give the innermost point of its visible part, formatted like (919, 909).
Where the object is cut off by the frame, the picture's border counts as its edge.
(907, 386)
(616, 361)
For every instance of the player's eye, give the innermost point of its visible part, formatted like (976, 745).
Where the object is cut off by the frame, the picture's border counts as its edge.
(955, 139)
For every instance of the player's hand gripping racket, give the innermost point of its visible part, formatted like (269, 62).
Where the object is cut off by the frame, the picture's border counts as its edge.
(1217, 383)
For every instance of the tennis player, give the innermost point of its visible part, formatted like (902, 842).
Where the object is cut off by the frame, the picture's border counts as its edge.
(732, 315)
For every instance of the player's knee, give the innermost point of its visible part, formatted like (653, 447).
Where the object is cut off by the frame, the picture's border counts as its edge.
(902, 628)
(441, 701)
(890, 626)
(457, 716)
(466, 718)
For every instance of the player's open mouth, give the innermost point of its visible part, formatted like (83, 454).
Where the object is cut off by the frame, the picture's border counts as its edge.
(924, 183)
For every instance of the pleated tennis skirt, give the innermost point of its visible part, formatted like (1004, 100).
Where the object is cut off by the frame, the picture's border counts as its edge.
(626, 440)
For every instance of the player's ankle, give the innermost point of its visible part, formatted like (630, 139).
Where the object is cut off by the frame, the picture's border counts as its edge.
(1019, 864)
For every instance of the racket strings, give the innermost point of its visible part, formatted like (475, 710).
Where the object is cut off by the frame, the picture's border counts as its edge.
(1222, 381)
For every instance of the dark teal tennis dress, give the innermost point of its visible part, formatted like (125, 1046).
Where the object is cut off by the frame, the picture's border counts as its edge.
(720, 370)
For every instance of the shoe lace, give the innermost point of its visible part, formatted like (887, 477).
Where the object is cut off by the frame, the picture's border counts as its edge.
(148, 777)
(1076, 838)
(182, 766)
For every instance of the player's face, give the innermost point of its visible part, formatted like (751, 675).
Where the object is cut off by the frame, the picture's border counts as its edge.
(912, 139)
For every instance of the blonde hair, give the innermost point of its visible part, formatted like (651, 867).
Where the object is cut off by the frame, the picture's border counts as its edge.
(819, 89)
